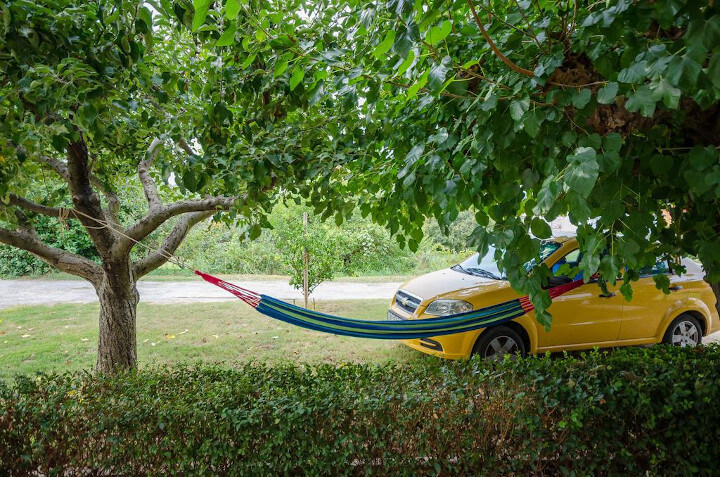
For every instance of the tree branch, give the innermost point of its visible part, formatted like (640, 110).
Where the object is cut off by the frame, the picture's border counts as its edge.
(35, 207)
(186, 147)
(61, 169)
(155, 219)
(494, 48)
(149, 186)
(62, 260)
(86, 199)
(58, 166)
(170, 244)
(527, 21)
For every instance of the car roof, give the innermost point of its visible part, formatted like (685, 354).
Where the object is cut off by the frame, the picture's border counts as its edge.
(562, 239)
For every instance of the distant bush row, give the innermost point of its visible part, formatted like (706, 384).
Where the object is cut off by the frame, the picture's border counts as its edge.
(356, 247)
(627, 412)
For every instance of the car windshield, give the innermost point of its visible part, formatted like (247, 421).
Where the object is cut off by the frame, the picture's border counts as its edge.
(487, 266)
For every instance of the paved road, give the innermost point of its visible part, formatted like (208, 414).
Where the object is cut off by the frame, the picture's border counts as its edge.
(47, 292)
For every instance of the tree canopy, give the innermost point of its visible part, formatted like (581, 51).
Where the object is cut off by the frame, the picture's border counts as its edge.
(93, 95)
(519, 111)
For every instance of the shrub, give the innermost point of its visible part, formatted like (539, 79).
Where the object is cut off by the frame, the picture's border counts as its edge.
(69, 236)
(630, 411)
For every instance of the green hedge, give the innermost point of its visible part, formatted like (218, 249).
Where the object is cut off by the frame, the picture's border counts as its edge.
(627, 412)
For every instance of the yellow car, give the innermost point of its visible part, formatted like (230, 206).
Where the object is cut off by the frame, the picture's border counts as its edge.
(582, 318)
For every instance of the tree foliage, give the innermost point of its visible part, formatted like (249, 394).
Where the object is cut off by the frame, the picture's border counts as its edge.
(516, 111)
(519, 111)
(94, 94)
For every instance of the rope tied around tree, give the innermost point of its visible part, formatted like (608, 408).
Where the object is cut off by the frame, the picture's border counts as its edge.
(386, 329)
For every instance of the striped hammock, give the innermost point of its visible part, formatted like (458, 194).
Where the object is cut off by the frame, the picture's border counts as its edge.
(388, 330)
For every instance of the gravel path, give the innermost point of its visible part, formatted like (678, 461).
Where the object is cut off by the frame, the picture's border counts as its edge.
(48, 292)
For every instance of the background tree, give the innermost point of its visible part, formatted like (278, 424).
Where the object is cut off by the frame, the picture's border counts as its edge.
(93, 94)
(523, 111)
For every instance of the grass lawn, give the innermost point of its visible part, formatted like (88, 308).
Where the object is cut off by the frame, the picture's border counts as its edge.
(64, 337)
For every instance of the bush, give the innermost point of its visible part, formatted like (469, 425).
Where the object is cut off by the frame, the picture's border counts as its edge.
(69, 236)
(627, 412)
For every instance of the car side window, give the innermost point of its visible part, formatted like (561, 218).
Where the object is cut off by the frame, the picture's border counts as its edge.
(572, 258)
(660, 267)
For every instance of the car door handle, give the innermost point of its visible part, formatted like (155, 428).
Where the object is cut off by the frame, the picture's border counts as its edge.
(675, 288)
(607, 295)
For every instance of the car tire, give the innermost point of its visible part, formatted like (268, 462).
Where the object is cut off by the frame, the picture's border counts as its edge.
(685, 330)
(497, 342)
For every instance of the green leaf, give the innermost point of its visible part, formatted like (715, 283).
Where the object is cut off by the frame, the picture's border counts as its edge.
(581, 98)
(297, 77)
(438, 33)
(421, 82)
(437, 75)
(547, 195)
(607, 94)
(254, 232)
(683, 71)
(189, 180)
(582, 171)
(713, 70)
(248, 61)
(280, 66)
(232, 8)
(145, 15)
(531, 125)
(228, 37)
(578, 208)
(635, 73)
(669, 94)
(701, 158)
(641, 100)
(518, 108)
(406, 64)
(660, 164)
(201, 12)
(385, 45)
(662, 282)
(627, 291)
(415, 153)
(88, 113)
(540, 228)
(711, 33)
(412, 245)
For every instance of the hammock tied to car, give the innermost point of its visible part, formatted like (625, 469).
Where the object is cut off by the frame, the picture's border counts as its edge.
(389, 330)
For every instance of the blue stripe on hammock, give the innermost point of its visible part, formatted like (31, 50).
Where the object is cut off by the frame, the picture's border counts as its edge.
(409, 334)
(440, 320)
(399, 330)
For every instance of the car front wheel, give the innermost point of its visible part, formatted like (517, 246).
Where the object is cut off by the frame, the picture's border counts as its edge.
(685, 330)
(498, 342)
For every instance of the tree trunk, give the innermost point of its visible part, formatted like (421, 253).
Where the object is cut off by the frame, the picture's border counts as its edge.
(117, 344)
(716, 289)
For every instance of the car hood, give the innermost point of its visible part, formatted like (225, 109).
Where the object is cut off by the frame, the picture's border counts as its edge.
(449, 281)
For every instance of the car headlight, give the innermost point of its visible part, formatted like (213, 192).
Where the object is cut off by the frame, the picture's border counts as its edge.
(448, 307)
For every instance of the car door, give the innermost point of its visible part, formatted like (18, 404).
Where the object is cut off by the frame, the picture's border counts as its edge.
(644, 314)
(583, 316)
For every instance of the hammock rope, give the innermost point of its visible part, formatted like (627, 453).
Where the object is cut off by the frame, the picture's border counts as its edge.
(387, 329)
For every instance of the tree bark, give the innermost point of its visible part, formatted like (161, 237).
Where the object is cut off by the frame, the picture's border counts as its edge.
(116, 277)
(118, 295)
(716, 289)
